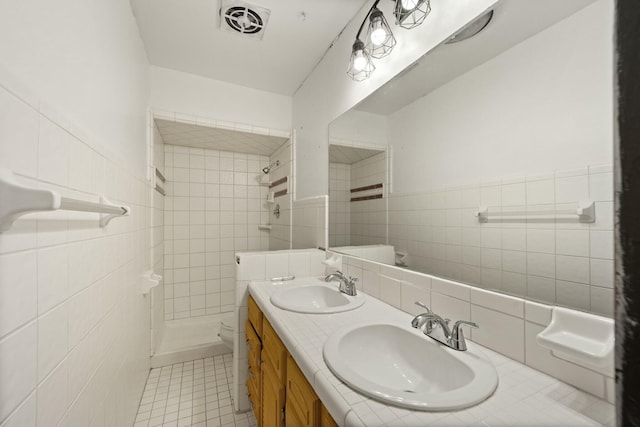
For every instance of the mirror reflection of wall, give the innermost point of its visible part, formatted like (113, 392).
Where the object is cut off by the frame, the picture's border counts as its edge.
(358, 180)
(518, 120)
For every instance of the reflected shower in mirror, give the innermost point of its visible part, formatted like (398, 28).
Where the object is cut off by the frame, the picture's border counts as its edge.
(494, 159)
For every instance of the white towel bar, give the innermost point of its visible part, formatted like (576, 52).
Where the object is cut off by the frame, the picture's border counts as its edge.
(584, 212)
(17, 200)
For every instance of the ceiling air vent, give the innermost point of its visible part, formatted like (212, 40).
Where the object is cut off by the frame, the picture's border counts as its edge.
(244, 18)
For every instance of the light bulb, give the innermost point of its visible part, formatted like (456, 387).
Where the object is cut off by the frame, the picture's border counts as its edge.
(379, 34)
(409, 4)
(359, 62)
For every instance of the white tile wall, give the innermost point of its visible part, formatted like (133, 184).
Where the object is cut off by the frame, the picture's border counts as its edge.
(213, 207)
(74, 327)
(157, 223)
(280, 234)
(309, 223)
(340, 206)
(508, 324)
(558, 261)
(369, 217)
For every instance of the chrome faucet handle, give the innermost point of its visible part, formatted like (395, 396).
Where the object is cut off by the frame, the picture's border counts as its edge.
(423, 305)
(351, 286)
(456, 325)
(457, 336)
(421, 319)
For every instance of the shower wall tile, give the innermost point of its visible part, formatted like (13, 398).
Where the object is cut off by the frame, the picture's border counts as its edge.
(74, 327)
(340, 206)
(280, 234)
(213, 207)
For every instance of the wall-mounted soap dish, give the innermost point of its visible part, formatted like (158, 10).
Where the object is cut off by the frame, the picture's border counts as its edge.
(581, 338)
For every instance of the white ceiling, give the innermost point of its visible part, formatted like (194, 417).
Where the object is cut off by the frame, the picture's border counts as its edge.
(217, 139)
(513, 22)
(185, 35)
(349, 155)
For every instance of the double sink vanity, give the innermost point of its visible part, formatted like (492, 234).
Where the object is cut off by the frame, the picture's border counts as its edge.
(320, 357)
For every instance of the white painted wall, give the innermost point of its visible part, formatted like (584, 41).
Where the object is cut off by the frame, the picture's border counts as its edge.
(546, 104)
(88, 60)
(328, 91)
(361, 126)
(176, 91)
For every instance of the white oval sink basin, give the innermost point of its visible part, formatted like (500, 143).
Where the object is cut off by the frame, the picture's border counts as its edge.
(317, 298)
(401, 366)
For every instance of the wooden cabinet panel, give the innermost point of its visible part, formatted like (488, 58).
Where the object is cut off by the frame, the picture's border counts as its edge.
(255, 395)
(254, 347)
(273, 399)
(302, 403)
(326, 420)
(274, 350)
(255, 316)
(254, 376)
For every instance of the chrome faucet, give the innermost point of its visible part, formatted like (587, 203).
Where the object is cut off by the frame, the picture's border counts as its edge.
(453, 338)
(347, 286)
(421, 319)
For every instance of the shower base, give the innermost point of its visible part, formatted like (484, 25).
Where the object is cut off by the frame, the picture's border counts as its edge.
(189, 339)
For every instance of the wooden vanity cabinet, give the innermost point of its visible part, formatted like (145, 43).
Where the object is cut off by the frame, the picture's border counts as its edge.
(254, 356)
(274, 366)
(280, 394)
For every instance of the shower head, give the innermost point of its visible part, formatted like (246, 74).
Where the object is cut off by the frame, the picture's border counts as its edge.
(268, 168)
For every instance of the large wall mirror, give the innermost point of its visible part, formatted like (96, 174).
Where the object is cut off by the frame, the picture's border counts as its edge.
(489, 160)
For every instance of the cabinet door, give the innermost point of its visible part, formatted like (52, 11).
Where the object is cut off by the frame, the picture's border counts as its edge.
(272, 398)
(301, 401)
(254, 376)
(254, 347)
(275, 353)
(255, 315)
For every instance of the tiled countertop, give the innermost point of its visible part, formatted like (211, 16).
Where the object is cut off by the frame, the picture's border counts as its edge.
(524, 397)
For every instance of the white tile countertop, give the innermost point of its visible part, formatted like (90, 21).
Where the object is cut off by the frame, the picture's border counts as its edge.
(524, 397)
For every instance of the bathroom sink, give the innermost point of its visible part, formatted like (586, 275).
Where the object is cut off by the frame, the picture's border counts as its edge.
(400, 366)
(316, 298)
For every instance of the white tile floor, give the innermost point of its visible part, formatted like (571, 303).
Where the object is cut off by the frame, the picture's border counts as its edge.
(196, 393)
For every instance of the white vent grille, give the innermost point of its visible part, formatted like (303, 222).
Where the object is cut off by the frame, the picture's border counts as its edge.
(243, 18)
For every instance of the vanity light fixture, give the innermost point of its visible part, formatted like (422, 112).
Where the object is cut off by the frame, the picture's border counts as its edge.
(411, 13)
(379, 40)
(360, 66)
